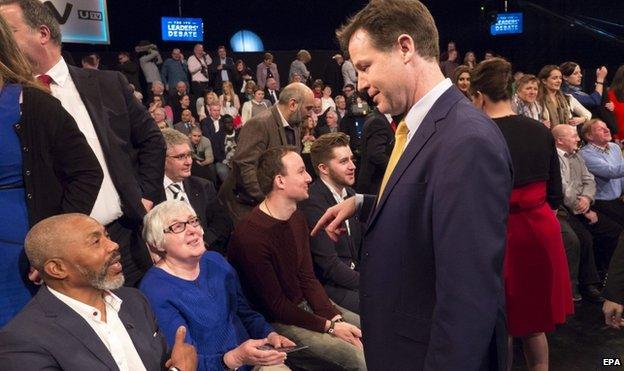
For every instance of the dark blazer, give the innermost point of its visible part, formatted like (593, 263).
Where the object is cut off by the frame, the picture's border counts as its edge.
(332, 261)
(431, 287)
(214, 217)
(61, 174)
(375, 150)
(241, 192)
(217, 139)
(270, 97)
(133, 146)
(47, 334)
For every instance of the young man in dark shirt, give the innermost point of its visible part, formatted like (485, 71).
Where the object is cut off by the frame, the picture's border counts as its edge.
(270, 249)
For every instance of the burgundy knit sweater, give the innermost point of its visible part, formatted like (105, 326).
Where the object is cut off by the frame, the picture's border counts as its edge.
(273, 260)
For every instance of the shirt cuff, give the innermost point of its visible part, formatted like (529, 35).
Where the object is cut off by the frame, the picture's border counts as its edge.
(359, 201)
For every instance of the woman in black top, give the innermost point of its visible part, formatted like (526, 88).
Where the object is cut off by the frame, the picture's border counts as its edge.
(537, 284)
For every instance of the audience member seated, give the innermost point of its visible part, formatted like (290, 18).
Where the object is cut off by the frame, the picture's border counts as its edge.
(272, 92)
(267, 69)
(174, 70)
(184, 102)
(158, 113)
(604, 160)
(524, 101)
(326, 100)
(616, 97)
(230, 104)
(270, 249)
(461, 79)
(335, 263)
(597, 233)
(158, 89)
(572, 79)
(296, 78)
(157, 102)
(213, 128)
(247, 92)
(341, 106)
(375, 149)
(254, 106)
(199, 193)
(204, 102)
(186, 123)
(557, 107)
(82, 318)
(202, 155)
(317, 88)
(199, 290)
(298, 66)
(329, 124)
(278, 126)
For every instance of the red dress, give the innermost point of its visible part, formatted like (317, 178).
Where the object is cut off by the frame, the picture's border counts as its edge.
(618, 112)
(537, 283)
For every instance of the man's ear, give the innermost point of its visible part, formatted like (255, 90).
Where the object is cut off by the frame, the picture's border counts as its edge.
(55, 268)
(323, 169)
(406, 47)
(44, 34)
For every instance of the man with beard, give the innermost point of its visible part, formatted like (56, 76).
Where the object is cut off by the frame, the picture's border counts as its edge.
(335, 263)
(82, 297)
(277, 126)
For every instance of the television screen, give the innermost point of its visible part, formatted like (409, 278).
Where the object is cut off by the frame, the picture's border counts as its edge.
(507, 24)
(182, 29)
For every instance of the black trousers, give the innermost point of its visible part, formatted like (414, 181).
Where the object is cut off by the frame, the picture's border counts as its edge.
(614, 211)
(578, 244)
(135, 258)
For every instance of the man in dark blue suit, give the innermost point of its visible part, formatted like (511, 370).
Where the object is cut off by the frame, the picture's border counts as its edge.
(431, 289)
(82, 318)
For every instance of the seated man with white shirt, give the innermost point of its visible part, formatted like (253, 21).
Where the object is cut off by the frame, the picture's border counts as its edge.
(82, 318)
(197, 192)
(335, 263)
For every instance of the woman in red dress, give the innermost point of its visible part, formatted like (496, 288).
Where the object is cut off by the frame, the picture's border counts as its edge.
(537, 283)
(616, 97)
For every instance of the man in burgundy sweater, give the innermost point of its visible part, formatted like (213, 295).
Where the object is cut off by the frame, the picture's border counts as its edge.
(271, 251)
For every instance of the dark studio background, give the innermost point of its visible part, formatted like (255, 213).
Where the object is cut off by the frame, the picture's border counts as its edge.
(289, 25)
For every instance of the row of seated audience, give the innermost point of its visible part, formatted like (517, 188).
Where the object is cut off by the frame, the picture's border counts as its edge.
(166, 205)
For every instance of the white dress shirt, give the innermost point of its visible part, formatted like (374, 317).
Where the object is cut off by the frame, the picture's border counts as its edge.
(339, 198)
(113, 332)
(170, 196)
(417, 113)
(224, 74)
(107, 206)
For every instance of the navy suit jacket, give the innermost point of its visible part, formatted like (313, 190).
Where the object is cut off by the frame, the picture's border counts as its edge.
(431, 288)
(49, 335)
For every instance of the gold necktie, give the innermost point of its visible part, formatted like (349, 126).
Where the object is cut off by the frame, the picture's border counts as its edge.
(400, 136)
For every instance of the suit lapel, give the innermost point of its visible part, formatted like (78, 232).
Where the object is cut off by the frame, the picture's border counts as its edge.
(73, 323)
(194, 197)
(88, 88)
(280, 126)
(427, 128)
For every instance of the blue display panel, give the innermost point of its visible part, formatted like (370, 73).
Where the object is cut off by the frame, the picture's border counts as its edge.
(507, 24)
(182, 29)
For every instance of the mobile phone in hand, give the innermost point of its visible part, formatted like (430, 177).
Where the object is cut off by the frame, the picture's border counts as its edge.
(286, 350)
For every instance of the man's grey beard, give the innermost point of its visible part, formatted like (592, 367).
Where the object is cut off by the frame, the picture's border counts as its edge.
(100, 280)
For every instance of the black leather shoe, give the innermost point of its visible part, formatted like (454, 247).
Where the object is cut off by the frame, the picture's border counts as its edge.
(592, 294)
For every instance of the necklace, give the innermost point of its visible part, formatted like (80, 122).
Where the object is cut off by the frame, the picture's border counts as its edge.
(267, 207)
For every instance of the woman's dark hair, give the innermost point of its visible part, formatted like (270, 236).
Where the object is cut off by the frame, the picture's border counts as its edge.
(492, 78)
(458, 71)
(567, 68)
(618, 84)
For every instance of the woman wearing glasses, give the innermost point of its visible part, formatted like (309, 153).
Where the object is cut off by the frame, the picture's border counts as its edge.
(200, 290)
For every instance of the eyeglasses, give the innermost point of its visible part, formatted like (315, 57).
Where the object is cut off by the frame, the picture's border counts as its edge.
(182, 156)
(180, 227)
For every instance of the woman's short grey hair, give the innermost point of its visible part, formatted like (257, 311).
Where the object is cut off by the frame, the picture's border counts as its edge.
(155, 222)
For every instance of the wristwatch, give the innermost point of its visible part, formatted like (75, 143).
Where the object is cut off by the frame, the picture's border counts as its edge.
(330, 330)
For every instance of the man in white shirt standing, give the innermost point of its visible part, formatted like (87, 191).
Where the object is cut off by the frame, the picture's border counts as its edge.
(82, 318)
(122, 134)
(198, 68)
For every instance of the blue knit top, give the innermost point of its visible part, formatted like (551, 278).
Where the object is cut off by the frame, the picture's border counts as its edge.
(212, 307)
